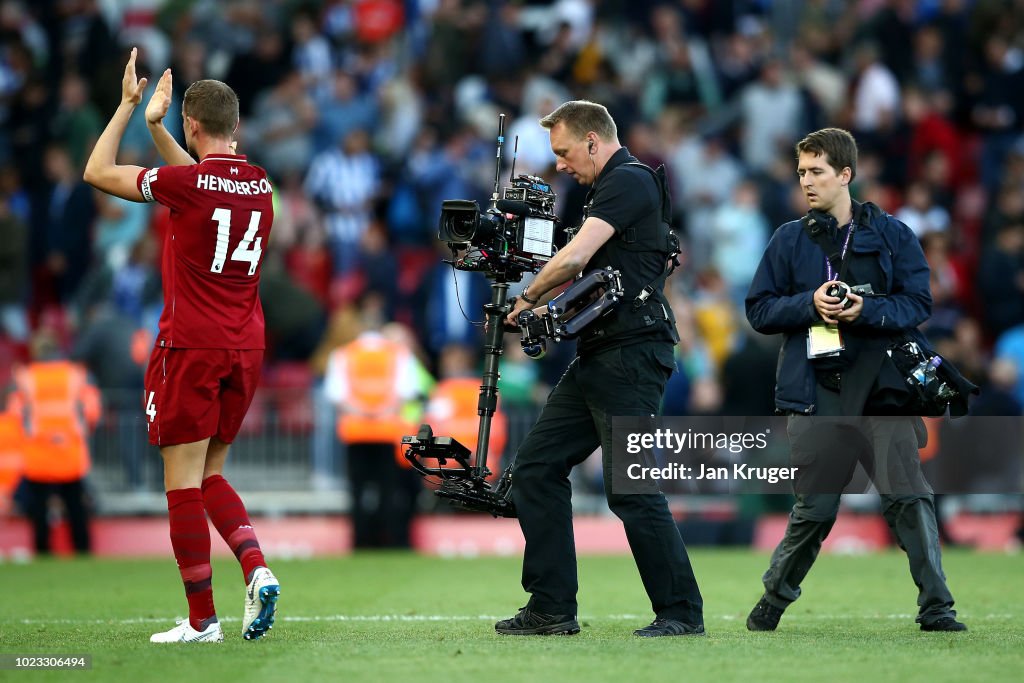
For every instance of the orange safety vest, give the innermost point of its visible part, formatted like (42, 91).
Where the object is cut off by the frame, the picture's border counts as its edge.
(931, 449)
(452, 411)
(12, 457)
(57, 405)
(372, 410)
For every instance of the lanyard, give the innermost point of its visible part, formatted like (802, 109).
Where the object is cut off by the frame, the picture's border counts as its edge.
(842, 256)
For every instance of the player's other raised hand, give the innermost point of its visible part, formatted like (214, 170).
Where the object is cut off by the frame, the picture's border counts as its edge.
(131, 87)
(159, 103)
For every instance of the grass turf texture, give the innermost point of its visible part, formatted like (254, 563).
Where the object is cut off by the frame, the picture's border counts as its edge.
(855, 622)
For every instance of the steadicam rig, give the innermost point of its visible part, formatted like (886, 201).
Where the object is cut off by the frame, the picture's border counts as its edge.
(572, 311)
(514, 236)
(460, 482)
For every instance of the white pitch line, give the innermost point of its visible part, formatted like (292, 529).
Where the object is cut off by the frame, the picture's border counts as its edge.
(419, 618)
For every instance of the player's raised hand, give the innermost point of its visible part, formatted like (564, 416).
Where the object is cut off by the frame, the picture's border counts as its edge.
(159, 103)
(131, 87)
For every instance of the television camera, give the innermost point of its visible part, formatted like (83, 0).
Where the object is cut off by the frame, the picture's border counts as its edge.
(513, 237)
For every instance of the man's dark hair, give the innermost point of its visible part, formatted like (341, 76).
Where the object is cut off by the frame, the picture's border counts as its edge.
(580, 117)
(837, 144)
(214, 105)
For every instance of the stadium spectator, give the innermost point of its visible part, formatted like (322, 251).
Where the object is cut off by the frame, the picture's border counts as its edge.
(120, 225)
(256, 71)
(282, 120)
(208, 355)
(621, 369)
(703, 192)
(14, 241)
(341, 110)
(876, 96)
(343, 181)
(920, 213)
(763, 136)
(295, 319)
(311, 52)
(1001, 279)
(999, 108)
(739, 232)
(61, 251)
(830, 358)
(453, 299)
(77, 122)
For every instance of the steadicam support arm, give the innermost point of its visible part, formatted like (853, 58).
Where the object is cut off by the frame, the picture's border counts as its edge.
(572, 311)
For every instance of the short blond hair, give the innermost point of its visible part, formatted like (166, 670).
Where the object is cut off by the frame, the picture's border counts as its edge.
(582, 116)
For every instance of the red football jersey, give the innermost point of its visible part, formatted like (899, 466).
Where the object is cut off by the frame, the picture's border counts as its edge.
(221, 213)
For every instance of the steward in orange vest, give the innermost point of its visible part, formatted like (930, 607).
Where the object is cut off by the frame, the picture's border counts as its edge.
(57, 407)
(370, 380)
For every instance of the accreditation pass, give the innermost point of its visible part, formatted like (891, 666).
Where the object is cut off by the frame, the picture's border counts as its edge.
(824, 340)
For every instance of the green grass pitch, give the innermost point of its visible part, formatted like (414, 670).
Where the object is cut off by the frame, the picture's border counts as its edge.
(401, 617)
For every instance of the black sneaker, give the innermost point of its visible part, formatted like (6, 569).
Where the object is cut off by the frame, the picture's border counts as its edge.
(530, 623)
(944, 624)
(764, 617)
(669, 627)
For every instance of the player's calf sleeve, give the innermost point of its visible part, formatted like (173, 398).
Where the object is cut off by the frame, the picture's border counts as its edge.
(190, 539)
(228, 514)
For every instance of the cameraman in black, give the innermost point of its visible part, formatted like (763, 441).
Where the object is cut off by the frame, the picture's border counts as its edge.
(623, 363)
(829, 364)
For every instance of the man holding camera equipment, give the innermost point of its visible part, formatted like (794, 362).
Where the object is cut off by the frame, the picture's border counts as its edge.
(624, 361)
(840, 284)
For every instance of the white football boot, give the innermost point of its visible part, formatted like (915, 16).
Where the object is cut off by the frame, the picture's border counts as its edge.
(184, 633)
(260, 604)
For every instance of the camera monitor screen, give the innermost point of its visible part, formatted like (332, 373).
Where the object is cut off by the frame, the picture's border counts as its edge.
(538, 237)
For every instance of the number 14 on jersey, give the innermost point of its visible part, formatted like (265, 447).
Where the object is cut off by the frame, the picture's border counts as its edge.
(248, 250)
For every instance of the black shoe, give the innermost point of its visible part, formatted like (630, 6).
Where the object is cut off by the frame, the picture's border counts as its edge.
(530, 623)
(944, 624)
(764, 617)
(669, 627)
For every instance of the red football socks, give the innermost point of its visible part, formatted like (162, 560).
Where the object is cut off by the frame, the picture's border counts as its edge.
(228, 514)
(190, 538)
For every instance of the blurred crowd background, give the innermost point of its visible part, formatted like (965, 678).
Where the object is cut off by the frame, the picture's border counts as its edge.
(368, 113)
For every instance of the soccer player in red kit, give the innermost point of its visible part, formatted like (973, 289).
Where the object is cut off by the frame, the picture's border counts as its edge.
(208, 353)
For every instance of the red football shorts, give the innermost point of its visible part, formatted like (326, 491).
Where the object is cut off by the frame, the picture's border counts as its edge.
(194, 394)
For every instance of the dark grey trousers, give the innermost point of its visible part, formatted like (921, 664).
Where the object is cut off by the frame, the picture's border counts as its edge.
(577, 419)
(910, 515)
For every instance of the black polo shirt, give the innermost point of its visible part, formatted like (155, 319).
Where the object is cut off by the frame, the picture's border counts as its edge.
(629, 199)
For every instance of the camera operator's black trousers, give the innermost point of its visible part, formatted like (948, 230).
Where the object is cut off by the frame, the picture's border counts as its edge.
(907, 506)
(577, 418)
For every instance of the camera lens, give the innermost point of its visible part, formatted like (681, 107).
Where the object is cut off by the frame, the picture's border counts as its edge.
(840, 290)
(458, 222)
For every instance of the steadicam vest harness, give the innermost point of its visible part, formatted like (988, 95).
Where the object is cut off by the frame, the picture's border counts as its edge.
(645, 304)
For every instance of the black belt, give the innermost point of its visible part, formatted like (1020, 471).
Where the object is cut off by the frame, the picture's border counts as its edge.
(830, 380)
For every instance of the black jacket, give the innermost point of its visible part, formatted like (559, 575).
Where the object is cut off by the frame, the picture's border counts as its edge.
(885, 253)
